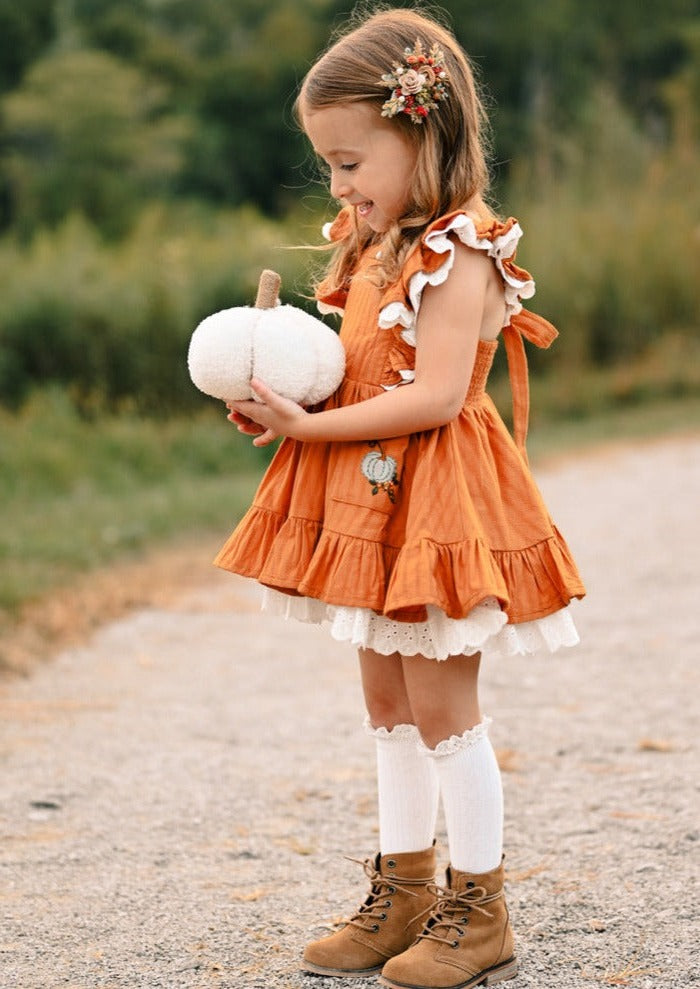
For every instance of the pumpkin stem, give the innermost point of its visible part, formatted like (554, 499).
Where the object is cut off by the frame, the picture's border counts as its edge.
(268, 290)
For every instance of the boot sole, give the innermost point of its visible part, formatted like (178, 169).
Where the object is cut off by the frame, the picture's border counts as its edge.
(489, 977)
(340, 973)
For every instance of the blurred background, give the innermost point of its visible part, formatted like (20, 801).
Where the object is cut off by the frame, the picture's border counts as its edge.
(150, 167)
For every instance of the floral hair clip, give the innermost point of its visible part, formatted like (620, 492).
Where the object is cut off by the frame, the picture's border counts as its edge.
(419, 85)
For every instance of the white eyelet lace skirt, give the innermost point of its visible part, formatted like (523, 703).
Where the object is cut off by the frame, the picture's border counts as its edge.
(485, 629)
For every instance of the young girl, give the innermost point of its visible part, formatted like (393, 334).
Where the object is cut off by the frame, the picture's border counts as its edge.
(402, 513)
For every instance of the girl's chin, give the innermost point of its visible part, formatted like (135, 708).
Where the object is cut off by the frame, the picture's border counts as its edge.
(377, 222)
(375, 219)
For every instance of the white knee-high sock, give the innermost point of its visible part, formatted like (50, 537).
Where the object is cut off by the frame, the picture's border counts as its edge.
(407, 789)
(472, 799)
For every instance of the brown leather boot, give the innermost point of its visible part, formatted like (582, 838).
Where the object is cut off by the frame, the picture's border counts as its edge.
(388, 921)
(466, 942)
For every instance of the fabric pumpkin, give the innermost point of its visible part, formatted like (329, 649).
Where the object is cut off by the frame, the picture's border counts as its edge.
(295, 354)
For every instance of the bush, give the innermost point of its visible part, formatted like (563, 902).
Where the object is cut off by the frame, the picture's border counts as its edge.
(612, 241)
(113, 321)
(614, 251)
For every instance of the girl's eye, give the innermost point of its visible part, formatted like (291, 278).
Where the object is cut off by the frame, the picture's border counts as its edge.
(349, 168)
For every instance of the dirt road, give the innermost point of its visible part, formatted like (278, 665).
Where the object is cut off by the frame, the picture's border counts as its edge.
(177, 795)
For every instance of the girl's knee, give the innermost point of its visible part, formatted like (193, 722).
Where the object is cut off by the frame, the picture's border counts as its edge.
(438, 724)
(384, 689)
(444, 699)
(388, 712)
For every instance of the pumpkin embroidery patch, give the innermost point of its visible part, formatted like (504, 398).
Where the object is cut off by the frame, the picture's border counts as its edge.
(381, 471)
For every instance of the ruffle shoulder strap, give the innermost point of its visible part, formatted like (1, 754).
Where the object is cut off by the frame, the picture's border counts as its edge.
(432, 259)
(430, 264)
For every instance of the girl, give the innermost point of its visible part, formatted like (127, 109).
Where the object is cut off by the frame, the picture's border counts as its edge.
(401, 512)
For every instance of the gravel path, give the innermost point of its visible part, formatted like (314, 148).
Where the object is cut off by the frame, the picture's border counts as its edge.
(177, 796)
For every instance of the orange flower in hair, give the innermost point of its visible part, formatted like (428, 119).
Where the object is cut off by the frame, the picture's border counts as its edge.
(418, 86)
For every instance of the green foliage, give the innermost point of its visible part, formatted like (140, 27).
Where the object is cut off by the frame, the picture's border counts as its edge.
(133, 134)
(542, 62)
(611, 237)
(112, 321)
(246, 146)
(87, 130)
(223, 76)
(76, 494)
(25, 30)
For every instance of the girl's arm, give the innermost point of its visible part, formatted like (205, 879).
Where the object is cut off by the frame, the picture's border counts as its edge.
(447, 334)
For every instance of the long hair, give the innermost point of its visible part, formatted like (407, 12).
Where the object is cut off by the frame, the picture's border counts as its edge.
(451, 171)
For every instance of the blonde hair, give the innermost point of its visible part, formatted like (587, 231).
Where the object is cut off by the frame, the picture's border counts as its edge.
(451, 171)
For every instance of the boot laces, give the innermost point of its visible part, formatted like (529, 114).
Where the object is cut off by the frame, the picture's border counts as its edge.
(450, 914)
(378, 901)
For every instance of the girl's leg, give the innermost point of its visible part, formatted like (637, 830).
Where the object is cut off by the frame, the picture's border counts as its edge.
(403, 873)
(384, 688)
(443, 695)
(407, 784)
(445, 706)
(468, 940)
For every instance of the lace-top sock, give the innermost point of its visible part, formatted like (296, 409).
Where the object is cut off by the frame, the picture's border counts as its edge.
(472, 798)
(407, 789)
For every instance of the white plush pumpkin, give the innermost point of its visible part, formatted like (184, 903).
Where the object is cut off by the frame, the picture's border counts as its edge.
(295, 354)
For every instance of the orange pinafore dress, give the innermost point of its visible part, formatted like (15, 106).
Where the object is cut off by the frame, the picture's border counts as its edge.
(437, 543)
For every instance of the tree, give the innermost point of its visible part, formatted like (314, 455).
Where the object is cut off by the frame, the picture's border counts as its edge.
(86, 132)
(26, 28)
(247, 146)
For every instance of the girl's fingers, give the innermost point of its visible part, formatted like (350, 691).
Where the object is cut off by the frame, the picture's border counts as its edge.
(266, 418)
(245, 424)
(266, 438)
(239, 418)
(262, 391)
(278, 403)
(242, 408)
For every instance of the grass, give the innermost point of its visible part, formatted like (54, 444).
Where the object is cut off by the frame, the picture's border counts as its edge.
(76, 494)
(79, 497)
(627, 424)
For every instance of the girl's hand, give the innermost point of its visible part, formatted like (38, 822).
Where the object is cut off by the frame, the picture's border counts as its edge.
(269, 418)
(244, 423)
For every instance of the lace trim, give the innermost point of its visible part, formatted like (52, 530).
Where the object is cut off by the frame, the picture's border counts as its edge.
(399, 733)
(407, 375)
(501, 249)
(397, 314)
(485, 629)
(458, 743)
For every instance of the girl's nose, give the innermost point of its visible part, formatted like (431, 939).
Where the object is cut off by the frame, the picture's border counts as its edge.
(340, 186)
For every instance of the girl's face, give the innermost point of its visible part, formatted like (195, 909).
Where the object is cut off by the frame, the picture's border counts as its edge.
(371, 160)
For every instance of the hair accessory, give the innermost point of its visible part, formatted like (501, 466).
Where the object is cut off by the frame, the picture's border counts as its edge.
(419, 85)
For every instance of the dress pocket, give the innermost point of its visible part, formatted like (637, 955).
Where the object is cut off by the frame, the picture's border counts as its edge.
(365, 485)
(381, 469)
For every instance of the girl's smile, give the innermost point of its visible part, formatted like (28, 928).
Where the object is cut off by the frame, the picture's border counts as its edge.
(371, 159)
